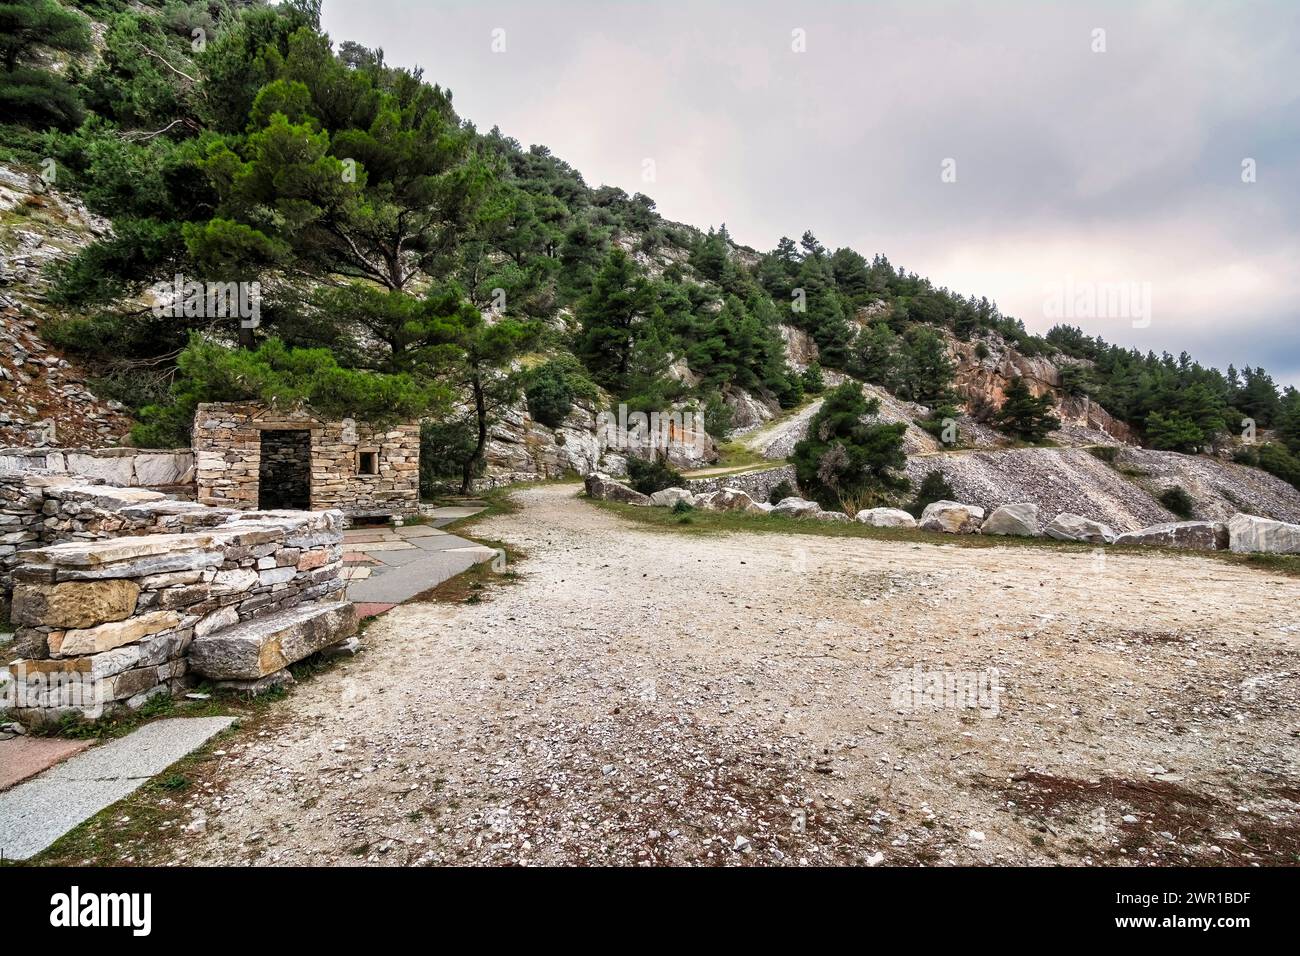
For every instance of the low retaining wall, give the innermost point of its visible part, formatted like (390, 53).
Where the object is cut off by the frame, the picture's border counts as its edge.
(109, 624)
(171, 468)
(757, 484)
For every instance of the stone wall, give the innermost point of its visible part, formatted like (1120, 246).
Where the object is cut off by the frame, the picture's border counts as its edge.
(172, 468)
(757, 484)
(39, 509)
(103, 625)
(228, 455)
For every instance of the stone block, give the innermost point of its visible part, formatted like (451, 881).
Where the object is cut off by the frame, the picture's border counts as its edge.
(255, 649)
(105, 637)
(75, 604)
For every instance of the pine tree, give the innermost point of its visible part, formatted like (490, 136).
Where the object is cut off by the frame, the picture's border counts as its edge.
(609, 316)
(1025, 416)
(845, 455)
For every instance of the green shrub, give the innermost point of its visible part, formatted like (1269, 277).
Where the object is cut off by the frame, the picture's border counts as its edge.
(1274, 459)
(1177, 500)
(782, 491)
(934, 487)
(650, 475)
(551, 388)
(846, 455)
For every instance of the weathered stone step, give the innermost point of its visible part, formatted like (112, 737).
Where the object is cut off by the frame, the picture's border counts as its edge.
(253, 649)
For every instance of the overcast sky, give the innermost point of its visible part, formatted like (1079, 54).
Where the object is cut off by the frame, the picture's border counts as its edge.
(1074, 168)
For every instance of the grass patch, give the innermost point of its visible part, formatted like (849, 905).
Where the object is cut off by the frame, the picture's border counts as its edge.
(138, 829)
(472, 586)
(736, 454)
(120, 724)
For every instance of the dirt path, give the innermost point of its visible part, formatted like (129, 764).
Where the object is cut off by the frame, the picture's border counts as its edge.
(643, 696)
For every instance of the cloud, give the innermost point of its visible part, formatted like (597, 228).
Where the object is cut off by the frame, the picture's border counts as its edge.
(1115, 166)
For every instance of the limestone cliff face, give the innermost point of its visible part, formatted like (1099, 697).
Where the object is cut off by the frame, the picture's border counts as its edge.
(521, 448)
(44, 398)
(982, 384)
(981, 381)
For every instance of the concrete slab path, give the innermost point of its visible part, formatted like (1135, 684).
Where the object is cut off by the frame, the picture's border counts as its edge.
(36, 813)
(392, 565)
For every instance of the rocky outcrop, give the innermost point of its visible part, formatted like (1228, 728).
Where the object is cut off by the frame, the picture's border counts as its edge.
(1018, 519)
(45, 399)
(519, 445)
(982, 380)
(800, 349)
(951, 517)
(1071, 527)
(886, 518)
(1191, 535)
(748, 411)
(1252, 533)
(605, 488)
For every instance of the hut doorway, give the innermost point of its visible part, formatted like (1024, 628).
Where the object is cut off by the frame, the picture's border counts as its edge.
(284, 474)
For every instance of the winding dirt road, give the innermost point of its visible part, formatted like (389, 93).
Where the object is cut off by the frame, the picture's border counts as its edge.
(641, 696)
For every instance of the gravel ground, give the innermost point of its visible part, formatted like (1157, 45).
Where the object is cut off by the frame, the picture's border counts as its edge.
(643, 697)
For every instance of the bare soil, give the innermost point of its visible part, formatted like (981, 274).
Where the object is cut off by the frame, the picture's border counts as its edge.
(640, 696)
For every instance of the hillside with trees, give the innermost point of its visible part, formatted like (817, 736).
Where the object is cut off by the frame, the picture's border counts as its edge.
(415, 267)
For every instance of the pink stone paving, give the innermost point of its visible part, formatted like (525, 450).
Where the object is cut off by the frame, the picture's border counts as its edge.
(23, 757)
(373, 610)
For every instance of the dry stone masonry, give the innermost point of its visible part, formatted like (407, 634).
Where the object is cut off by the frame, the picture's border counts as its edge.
(170, 469)
(105, 624)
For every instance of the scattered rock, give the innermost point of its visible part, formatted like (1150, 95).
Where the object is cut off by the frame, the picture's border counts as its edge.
(1018, 519)
(605, 488)
(730, 499)
(1072, 527)
(671, 496)
(1252, 533)
(951, 517)
(796, 507)
(886, 518)
(1193, 535)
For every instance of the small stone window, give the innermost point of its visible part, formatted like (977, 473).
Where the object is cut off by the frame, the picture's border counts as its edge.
(367, 463)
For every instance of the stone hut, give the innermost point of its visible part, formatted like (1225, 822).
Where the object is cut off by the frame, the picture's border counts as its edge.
(255, 456)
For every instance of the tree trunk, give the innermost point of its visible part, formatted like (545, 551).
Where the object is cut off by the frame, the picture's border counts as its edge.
(480, 411)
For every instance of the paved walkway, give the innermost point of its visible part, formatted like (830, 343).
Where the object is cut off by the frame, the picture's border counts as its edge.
(36, 813)
(386, 566)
